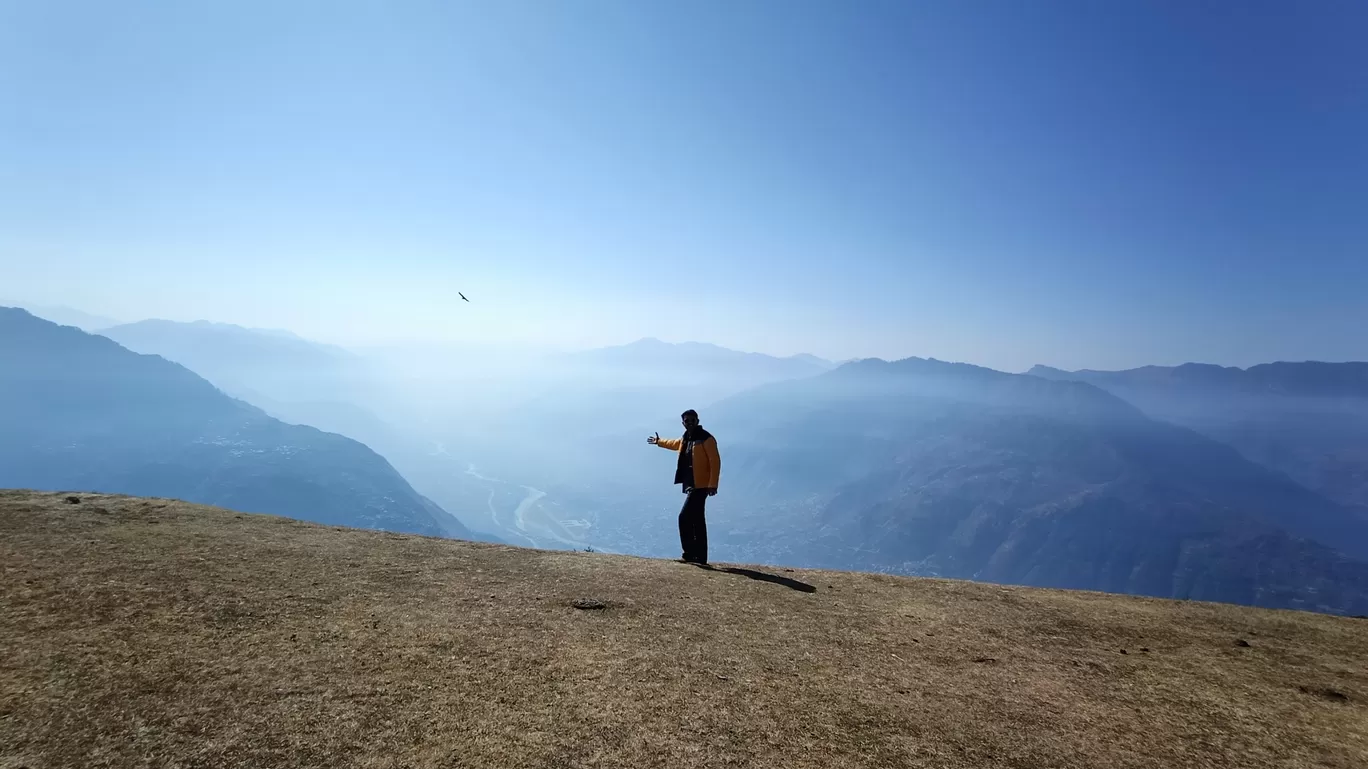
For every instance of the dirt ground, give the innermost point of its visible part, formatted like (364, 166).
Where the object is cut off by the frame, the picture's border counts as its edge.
(154, 633)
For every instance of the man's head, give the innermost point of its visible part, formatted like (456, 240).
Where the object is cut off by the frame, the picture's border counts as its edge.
(690, 419)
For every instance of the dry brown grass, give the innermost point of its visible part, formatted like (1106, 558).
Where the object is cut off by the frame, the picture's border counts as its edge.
(154, 633)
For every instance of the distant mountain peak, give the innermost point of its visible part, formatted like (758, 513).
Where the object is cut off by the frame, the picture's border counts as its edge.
(171, 336)
(654, 346)
(924, 366)
(212, 325)
(1306, 378)
(62, 316)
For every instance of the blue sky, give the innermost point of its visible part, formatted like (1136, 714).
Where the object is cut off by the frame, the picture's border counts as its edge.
(1068, 182)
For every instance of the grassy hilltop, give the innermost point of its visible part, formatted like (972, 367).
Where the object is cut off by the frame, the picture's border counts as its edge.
(149, 632)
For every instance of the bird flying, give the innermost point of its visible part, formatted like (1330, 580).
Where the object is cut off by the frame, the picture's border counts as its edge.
(458, 293)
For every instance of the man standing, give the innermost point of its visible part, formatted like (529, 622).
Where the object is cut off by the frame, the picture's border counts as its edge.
(697, 471)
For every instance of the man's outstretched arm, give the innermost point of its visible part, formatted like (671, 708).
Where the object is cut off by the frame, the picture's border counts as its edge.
(672, 444)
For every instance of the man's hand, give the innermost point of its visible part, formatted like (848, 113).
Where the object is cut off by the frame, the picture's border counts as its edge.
(712, 492)
(654, 440)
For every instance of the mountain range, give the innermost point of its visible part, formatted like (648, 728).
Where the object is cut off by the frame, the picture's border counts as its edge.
(295, 380)
(1199, 482)
(601, 391)
(1307, 420)
(924, 467)
(80, 412)
(695, 362)
(244, 361)
(63, 316)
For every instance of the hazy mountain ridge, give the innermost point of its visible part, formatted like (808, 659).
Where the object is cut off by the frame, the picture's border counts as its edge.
(81, 412)
(281, 365)
(248, 341)
(63, 316)
(293, 379)
(1305, 378)
(1308, 420)
(700, 358)
(610, 389)
(303, 382)
(920, 466)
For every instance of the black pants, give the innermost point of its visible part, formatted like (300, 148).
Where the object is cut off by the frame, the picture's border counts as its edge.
(693, 529)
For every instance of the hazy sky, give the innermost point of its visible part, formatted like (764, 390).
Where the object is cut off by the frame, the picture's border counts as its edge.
(1069, 182)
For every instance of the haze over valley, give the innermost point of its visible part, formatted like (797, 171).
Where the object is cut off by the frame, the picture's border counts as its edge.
(1219, 484)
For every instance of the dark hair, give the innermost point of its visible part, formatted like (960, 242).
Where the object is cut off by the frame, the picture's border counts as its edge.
(689, 413)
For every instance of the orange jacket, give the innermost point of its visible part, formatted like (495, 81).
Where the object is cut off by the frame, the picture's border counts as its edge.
(707, 463)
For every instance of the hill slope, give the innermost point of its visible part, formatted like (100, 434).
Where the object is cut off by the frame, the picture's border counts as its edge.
(292, 379)
(78, 411)
(137, 628)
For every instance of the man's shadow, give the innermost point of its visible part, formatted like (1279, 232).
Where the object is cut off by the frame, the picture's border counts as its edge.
(761, 576)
